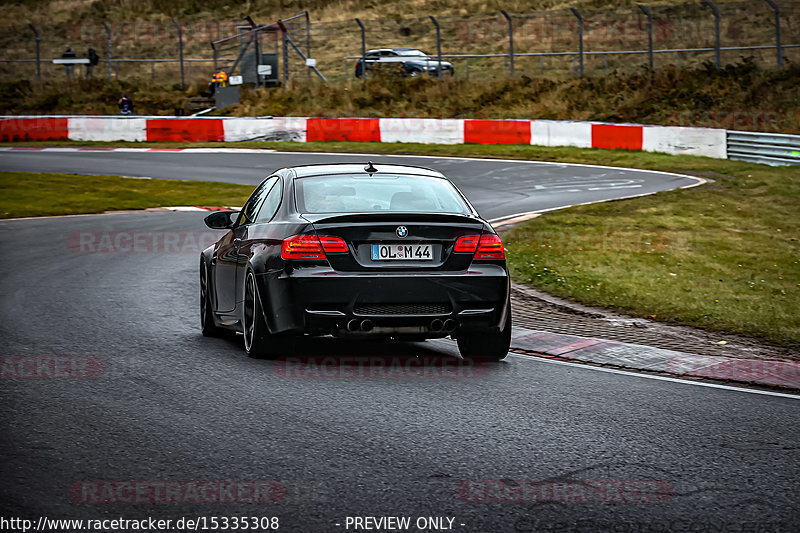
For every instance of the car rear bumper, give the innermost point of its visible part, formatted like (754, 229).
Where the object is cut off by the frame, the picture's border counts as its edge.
(317, 300)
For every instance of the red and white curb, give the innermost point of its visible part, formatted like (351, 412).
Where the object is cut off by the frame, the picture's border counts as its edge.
(667, 139)
(125, 149)
(639, 357)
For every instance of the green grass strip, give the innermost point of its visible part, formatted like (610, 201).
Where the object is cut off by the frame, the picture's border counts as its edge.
(29, 194)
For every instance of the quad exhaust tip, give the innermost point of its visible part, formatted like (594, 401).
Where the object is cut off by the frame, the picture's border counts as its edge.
(364, 325)
(436, 324)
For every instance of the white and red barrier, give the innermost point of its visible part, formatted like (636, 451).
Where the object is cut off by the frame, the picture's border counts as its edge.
(668, 139)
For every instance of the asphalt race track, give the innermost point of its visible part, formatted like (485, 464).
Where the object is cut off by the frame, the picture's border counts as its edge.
(136, 398)
(496, 188)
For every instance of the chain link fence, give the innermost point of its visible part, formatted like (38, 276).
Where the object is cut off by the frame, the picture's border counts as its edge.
(548, 43)
(545, 44)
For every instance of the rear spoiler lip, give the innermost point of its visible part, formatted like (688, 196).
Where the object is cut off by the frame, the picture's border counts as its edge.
(399, 217)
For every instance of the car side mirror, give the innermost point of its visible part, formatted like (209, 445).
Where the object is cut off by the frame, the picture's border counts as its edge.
(221, 219)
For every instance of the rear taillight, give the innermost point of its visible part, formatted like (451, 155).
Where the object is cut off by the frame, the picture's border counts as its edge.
(302, 247)
(467, 245)
(490, 247)
(484, 247)
(311, 247)
(333, 245)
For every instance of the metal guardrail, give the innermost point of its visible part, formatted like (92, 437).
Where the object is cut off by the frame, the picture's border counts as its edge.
(768, 148)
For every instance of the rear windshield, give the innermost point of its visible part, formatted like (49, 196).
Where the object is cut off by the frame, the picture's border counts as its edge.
(419, 53)
(377, 194)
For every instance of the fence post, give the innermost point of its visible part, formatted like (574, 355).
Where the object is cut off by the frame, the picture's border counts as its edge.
(650, 33)
(580, 37)
(438, 45)
(778, 48)
(257, 53)
(714, 9)
(180, 50)
(510, 41)
(254, 33)
(108, 33)
(285, 61)
(308, 42)
(363, 50)
(38, 63)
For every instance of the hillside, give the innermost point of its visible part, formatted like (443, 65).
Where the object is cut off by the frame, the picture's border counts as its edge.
(742, 97)
(144, 30)
(685, 89)
(44, 11)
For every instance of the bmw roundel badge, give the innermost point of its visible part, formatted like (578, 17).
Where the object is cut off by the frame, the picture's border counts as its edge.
(401, 231)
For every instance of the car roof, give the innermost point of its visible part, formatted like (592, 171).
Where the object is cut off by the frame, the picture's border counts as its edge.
(327, 169)
(396, 49)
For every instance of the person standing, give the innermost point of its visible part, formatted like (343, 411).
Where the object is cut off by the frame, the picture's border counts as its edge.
(221, 78)
(94, 59)
(125, 105)
(69, 68)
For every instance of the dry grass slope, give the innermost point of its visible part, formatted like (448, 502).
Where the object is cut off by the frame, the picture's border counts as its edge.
(701, 96)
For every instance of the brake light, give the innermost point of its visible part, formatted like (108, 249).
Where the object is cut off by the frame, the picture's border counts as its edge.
(490, 247)
(466, 245)
(302, 247)
(311, 247)
(333, 245)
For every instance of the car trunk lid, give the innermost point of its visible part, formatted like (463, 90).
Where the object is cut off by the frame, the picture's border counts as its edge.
(385, 241)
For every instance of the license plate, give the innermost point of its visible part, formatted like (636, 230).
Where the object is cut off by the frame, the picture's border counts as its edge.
(402, 252)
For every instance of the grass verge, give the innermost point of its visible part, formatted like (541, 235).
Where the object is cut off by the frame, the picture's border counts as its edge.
(724, 256)
(26, 194)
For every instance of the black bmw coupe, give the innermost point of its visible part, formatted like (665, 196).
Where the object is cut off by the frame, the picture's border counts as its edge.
(360, 252)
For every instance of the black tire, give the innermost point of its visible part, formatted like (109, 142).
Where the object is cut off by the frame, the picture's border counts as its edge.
(414, 73)
(209, 328)
(486, 346)
(258, 341)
